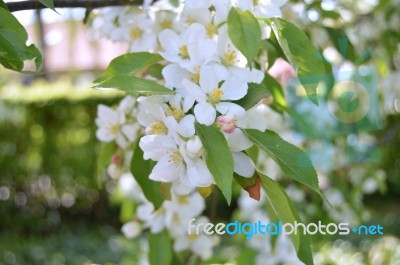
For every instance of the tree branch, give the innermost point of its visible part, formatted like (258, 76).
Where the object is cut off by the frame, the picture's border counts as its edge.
(34, 4)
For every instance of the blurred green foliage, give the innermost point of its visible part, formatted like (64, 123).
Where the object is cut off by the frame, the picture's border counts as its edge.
(52, 209)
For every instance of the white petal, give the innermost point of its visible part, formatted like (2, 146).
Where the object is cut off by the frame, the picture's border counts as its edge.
(170, 41)
(130, 131)
(208, 79)
(131, 229)
(182, 186)
(173, 75)
(104, 135)
(186, 126)
(243, 165)
(121, 141)
(194, 33)
(205, 113)
(234, 89)
(227, 108)
(194, 91)
(181, 243)
(198, 174)
(156, 146)
(238, 141)
(166, 171)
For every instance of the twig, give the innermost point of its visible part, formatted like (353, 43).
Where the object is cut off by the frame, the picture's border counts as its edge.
(34, 4)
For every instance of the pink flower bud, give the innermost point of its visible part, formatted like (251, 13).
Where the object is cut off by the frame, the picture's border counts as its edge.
(116, 159)
(227, 123)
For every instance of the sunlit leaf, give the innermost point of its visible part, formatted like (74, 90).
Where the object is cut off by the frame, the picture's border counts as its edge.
(160, 249)
(129, 64)
(293, 161)
(286, 213)
(245, 32)
(133, 85)
(301, 53)
(141, 170)
(218, 158)
(13, 49)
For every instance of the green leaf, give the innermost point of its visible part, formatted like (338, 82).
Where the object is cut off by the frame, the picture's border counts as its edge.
(244, 32)
(293, 161)
(342, 43)
(13, 48)
(129, 64)
(301, 54)
(218, 158)
(255, 93)
(3, 5)
(49, 4)
(141, 170)
(160, 249)
(134, 85)
(244, 182)
(286, 212)
(279, 100)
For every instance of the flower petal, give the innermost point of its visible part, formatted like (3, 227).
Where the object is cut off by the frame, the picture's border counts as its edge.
(205, 113)
(232, 109)
(243, 165)
(238, 141)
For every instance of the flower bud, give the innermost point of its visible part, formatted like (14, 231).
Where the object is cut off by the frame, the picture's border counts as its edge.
(194, 147)
(227, 123)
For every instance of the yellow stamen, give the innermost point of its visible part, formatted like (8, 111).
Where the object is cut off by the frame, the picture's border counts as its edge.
(136, 33)
(190, 20)
(215, 96)
(229, 57)
(166, 24)
(192, 237)
(115, 129)
(183, 52)
(196, 75)
(183, 199)
(175, 157)
(211, 30)
(177, 113)
(158, 128)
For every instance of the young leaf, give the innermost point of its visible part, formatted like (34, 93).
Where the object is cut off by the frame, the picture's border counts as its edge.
(13, 48)
(293, 161)
(141, 170)
(255, 93)
(129, 64)
(160, 249)
(251, 185)
(218, 157)
(245, 32)
(133, 85)
(286, 213)
(301, 54)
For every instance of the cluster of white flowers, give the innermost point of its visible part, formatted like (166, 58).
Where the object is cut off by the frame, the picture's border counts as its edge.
(118, 124)
(122, 125)
(208, 74)
(173, 215)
